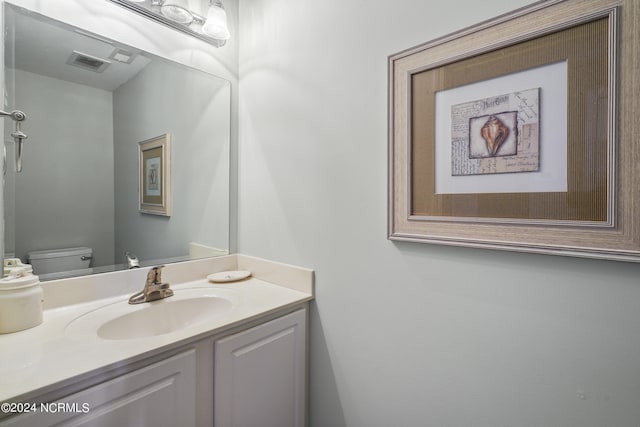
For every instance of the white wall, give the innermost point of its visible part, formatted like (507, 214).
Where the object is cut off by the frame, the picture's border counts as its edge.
(67, 160)
(409, 334)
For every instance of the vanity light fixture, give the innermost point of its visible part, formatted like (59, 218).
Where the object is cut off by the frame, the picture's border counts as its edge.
(178, 11)
(191, 16)
(216, 24)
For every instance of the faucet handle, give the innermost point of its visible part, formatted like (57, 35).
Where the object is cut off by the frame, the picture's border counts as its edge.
(154, 276)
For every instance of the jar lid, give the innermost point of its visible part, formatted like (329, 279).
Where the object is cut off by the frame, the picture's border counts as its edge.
(24, 281)
(13, 265)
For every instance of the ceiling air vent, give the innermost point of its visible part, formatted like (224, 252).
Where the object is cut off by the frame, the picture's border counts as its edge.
(88, 62)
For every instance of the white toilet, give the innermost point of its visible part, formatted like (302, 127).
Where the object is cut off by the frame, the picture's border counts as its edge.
(58, 263)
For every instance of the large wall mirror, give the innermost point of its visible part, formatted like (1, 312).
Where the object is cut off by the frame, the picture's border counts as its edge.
(90, 102)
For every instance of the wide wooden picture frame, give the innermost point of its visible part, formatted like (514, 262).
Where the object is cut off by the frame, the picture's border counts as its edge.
(154, 170)
(520, 134)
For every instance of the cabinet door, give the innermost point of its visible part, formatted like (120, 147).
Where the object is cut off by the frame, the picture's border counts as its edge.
(161, 394)
(260, 375)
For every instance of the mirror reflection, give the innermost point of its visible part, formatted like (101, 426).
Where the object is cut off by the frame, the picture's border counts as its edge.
(75, 208)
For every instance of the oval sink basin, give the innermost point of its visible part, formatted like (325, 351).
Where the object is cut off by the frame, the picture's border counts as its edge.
(163, 317)
(122, 321)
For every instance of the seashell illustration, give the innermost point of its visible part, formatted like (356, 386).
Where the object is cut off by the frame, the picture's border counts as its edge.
(494, 132)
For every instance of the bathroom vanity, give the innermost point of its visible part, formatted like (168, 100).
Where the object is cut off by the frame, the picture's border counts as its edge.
(211, 354)
(231, 354)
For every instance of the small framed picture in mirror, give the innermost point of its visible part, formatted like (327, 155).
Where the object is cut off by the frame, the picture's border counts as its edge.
(155, 175)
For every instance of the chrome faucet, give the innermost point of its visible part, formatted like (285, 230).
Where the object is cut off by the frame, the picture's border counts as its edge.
(154, 289)
(132, 260)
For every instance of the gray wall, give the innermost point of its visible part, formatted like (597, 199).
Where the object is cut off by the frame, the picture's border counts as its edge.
(194, 109)
(68, 159)
(409, 334)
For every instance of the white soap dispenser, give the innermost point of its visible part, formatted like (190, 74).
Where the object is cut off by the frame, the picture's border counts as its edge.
(20, 297)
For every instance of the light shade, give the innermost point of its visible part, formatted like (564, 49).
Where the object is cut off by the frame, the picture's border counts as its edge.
(177, 10)
(216, 25)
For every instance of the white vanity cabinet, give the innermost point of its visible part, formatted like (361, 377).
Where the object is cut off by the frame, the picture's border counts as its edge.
(260, 375)
(247, 376)
(161, 394)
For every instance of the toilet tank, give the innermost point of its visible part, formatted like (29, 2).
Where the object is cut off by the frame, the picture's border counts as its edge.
(56, 260)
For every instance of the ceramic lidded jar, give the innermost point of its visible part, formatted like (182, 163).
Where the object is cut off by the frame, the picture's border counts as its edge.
(20, 301)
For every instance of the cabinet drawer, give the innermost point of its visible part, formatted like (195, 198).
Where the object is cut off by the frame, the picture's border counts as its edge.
(161, 394)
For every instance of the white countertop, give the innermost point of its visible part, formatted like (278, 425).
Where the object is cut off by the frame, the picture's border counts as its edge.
(49, 353)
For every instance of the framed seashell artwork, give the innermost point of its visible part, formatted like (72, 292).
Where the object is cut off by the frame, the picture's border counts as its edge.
(154, 162)
(518, 133)
(495, 135)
